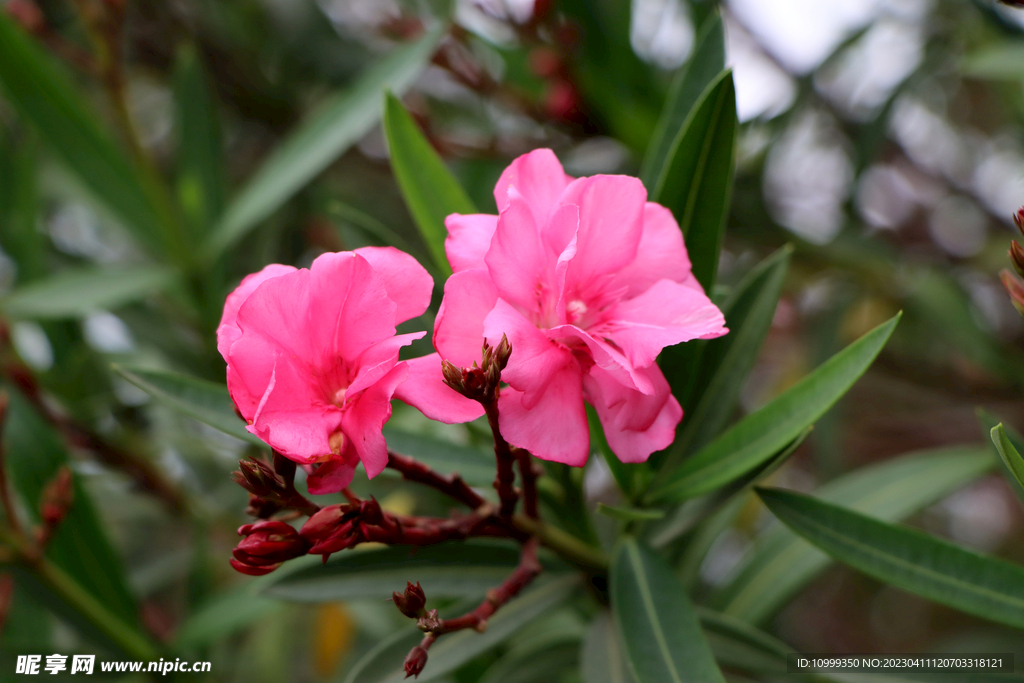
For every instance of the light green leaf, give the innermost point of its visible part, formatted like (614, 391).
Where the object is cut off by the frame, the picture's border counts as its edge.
(431, 192)
(736, 643)
(602, 659)
(475, 466)
(696, 181)
(323, 137)
(760, 435)
(717, 375)
(1011, 458)
(75, 293)
(447, 570)
(1001, 62)
(933, 568)
(629, 514)
(205, 401)
(383, 664)
(781, 562)
(655, 620)
(41, 91)
(707, 61)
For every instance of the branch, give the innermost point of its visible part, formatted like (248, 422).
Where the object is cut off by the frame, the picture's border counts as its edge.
(528, 471)
(452, 485)
(504, 481)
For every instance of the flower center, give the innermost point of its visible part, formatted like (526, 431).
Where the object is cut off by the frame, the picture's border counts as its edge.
(339, 396)
(574, 310)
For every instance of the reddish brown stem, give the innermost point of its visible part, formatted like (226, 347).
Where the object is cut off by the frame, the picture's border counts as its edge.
(528, 471)
(5, 490)
(504, 482)
(451, 485)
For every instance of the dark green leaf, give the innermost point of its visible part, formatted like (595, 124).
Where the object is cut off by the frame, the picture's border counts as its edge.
(718, 375)
(933, 568)
(43, 94)
(538, 660)
(760, 435)
(707, 61)
(430, 190)
(449, 570)
(383, 664)
(474, 465)
(323, 137)
(602, 659)
(629, 514)
(205, 401)
(655, 620)
(781, 562)
(201, 188)
(736, 643)
(75, 293)
(696, 181)
(1011, 458)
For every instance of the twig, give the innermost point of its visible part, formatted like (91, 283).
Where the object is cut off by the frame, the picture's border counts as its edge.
(452, 485)
(504, 481)
(528, 471)
(10, 512)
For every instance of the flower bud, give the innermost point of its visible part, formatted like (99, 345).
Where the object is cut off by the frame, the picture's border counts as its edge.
(1015, 289)
(1018, 219)
(56, 498)
(453, 376)
(429, 622)
(412, 601)
(1017, 257)
(267, 545)
(415, 661)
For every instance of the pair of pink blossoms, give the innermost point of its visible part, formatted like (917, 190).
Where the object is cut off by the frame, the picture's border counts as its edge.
(588, 280)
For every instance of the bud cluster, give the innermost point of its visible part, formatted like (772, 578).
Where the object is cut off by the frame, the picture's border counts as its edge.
(1014, 287)
(54, 503)
(271, 489)
(411, 602)
(479, 383)
(265, 546)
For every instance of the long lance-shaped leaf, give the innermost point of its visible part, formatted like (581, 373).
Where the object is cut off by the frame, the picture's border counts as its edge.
(43, 94)
(602, 659)
(759, 435)
(697, 179)
(718, 375)
(707, 61)
(318, 141)
(73, 294)
(1011, 458)
(933, 568)
(430, 190)
(782, 562)
(383, 664)
(655, 620)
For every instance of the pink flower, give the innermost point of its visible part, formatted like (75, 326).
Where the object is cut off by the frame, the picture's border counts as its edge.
(313, 357)
(590, 282)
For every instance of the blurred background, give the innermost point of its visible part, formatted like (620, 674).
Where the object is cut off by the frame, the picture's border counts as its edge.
(884, 139)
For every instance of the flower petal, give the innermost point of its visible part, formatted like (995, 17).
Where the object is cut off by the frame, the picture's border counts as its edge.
(661, 253)
(408, 283)
(378, 360)
(426, 391)
(331, 477)
(366, 415)
(668, 313)
(556, 427)
(604, 356)
(227, 331)
(459, 328)
(469, 237)
(538, 176)
(519, 262)
(635, 424)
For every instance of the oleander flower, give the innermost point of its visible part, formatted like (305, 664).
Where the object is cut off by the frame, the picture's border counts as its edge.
(589, 281)
(312, 356)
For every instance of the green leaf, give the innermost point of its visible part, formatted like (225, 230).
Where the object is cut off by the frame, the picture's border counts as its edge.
(781, 562)
(538, 660)
(1001, 62)
(431, 192)
(629, 514)
(43, 94)
(760, 435)
(696, 181)
(475, 466)
(79, 546)
(602, 659)
(655, 620)
(205, 401)
(323, 137)
(447, 570)
(75, 293)
(629, 476)
(933, 568)
(383, 664)
(201, 186)
(707, 61)
(1011, 458)
(720, 370)
(737, 644)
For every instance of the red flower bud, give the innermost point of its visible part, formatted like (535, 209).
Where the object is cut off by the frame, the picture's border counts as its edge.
(1018, 219)
(415, 661)
(266, 545)
(1017, 257)
(412, 601)
(57, 497)
(1015, 289)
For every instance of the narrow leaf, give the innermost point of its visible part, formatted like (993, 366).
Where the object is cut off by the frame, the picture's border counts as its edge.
(655, 620)
(759, 435)
(75, 293)
(737, 644)
(933, 568)
(602, 659)
(781, 562)
(629, 514)
(383, 664)
(430, 190)
(696, 181)
(707, 61)
(318, 141)
(475, 466)
(44, 95)
(538, 660)
(1011, 458)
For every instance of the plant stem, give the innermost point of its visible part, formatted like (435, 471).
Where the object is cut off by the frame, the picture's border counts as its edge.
(504, 481)
(451, 485)
(529, 473)
(565, 545)
(5, 490)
